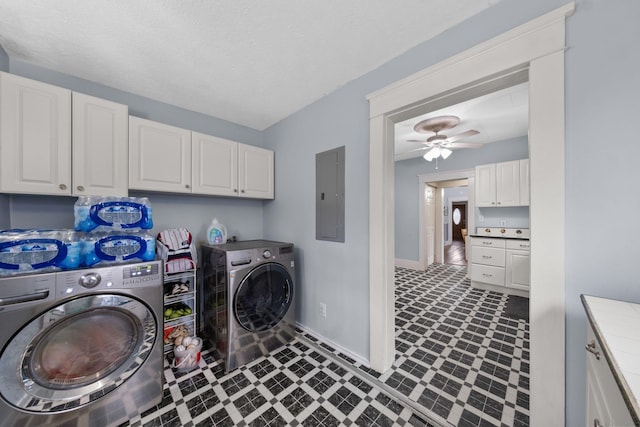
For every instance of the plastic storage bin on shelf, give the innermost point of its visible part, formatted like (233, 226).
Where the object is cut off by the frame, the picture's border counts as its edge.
(110, 248)
(25, 251)
(96, 214)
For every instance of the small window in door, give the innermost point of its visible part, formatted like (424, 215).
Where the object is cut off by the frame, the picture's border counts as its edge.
(457, 216)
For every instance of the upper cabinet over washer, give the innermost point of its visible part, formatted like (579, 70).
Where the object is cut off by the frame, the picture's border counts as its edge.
(169, 159)
(40, 152)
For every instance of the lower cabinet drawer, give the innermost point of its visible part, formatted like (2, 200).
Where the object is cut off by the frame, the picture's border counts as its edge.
(487, 274)
(488, 256)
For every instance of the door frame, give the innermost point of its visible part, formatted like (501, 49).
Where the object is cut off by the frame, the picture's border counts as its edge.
(536, 48)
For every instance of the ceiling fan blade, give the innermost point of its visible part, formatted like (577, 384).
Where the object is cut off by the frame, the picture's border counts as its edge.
(421, 141)
(458, 145)
(462, 135)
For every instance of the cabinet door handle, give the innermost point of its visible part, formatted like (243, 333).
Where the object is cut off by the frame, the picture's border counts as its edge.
(80, 188)
(235, 190)
(591, 348)
(187, 186)
(242, 191)
(63, 186)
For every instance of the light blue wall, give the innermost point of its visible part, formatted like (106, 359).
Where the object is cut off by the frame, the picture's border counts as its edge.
(243, 217)
(602, 85)
(4, 60)
(407, 220)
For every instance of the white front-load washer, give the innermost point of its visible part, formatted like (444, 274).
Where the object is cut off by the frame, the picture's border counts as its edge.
(247, 303)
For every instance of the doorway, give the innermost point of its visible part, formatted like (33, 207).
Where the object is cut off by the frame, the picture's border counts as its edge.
(537, 48)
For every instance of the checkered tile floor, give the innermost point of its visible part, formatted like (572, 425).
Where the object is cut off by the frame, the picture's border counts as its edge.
(294, 386)
(458, 355)
(459, 358)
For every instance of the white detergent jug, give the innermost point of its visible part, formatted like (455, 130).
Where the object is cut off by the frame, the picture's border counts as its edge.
(217, 233)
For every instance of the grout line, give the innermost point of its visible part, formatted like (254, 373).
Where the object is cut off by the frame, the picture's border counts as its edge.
(374, 382)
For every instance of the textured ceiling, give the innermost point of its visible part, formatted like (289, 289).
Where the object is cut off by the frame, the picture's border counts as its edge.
(250, 62)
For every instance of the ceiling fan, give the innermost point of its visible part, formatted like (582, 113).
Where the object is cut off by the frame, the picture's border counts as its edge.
(440, 145)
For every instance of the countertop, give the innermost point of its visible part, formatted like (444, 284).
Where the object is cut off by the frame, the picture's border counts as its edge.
(499, 237)
(615, 324)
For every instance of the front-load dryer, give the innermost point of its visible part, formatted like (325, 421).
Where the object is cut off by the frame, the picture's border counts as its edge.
(247, 306)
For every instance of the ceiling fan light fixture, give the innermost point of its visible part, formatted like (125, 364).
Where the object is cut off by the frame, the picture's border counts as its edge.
(445, 152)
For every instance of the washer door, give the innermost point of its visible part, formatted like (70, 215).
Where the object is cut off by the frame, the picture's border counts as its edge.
(263, 297)
(75, 353)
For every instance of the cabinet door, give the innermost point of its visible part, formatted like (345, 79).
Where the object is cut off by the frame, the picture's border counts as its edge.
(100, 147)
(255, 172)
(35, 137)
(486, 185)
(508, 183)
(215, 165)
(524, 182)
(518, 271)
(159, 157)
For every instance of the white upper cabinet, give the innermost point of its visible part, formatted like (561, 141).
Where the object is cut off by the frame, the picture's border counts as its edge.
(35, 137)
(169, 159)
(508, 183)
(255, 172)
(40, 151)
(159, 157)
(486, 185)
(100, 147)
(501, 184)
(215, 165)
(524, 182)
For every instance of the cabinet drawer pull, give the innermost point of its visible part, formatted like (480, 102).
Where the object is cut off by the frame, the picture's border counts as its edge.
(591, 348)
(487, 256)
(487, 243)
(487, 275)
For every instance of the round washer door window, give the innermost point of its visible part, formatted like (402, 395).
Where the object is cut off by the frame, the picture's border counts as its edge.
(263, 297)
(76, 352)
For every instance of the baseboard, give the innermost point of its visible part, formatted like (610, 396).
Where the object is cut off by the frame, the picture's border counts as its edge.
(338, 347)
(410, 264)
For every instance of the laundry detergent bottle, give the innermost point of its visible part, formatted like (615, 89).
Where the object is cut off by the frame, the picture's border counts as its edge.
(217, 233)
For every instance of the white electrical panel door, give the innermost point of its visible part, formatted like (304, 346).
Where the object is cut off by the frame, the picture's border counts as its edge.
(214, 165)
(35, 137)
(159, 157)
(100, 147)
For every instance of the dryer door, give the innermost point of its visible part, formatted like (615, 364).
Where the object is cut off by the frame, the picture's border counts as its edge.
(263, 297)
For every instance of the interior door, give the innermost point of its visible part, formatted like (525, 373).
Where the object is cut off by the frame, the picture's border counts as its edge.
(459, 220)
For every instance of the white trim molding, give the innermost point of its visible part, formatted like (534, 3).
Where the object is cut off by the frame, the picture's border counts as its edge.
(537, 49)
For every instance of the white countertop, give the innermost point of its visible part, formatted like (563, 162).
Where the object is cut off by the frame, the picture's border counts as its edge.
(616, 325)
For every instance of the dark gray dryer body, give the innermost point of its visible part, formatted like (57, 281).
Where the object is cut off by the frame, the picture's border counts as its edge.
(247, 302)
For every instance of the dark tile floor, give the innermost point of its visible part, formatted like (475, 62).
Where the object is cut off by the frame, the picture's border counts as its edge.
(460, 360)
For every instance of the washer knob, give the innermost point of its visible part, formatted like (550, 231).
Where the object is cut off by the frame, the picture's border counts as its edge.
(266, 253)
(90, 280)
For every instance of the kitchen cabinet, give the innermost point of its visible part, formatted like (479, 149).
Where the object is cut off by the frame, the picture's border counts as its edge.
(524, 182)
(42, 153)
(499, 184)
(179, 306)
(488, 260)
(159, 157)
(605, 405)
(517, 264)
(170, 159)
(500, 264)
